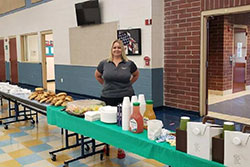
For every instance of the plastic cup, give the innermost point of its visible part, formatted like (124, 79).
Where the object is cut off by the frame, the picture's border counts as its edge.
(183, 123)
(228, 126)
(134, 99)
(154, 128)
(126, 101)
(141, 98)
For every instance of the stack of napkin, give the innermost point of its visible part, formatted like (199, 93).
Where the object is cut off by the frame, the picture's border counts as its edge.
(92, 115)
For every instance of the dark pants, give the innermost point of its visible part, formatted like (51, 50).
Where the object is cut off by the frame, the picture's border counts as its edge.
(112, 101)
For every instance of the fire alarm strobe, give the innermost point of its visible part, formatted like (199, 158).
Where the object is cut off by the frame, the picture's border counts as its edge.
(148, 21)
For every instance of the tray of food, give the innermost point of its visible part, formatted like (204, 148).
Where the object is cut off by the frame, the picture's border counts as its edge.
(79, 107)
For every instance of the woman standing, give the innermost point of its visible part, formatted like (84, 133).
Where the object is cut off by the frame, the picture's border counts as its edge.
(116, 74)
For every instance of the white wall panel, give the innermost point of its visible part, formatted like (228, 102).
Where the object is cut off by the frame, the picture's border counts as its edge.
(157, 34)
(59, 16)
(130, 14)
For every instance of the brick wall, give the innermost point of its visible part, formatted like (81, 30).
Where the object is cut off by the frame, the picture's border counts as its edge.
(227, 52)
(218, 4)
(248, 57)
(182, 54)
(220, 50)
(182, 50)
(215, 55)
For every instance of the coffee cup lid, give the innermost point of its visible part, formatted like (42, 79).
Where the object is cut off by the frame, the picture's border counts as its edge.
(228, 123)
(185, 117)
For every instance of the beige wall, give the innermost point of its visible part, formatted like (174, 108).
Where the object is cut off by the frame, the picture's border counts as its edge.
(91, 44)
(34, 1)
(7, 5)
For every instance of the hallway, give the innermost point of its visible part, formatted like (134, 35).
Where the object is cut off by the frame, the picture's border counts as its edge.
(233, 107)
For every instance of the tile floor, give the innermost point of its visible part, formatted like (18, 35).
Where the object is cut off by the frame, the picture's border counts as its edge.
(24, 144)
(231, 107)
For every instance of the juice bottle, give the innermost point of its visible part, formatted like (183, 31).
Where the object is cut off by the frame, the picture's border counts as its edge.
(136, 119)
(148, 114)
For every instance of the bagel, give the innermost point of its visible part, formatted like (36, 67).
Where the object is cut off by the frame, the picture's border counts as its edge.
(38, 97)
(43, 100)
(69, 98)
(58, 102)
(49, 100)
(54, 100)
(33, 95)
(39, 89)
(61, 97)
(64, 104)
(61, 94)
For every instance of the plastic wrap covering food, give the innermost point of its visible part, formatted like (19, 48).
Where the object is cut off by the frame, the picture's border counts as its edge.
(79, 107)
(14, 89)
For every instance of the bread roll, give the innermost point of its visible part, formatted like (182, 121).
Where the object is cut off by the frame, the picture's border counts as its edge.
(64, 104)
(61, 94)
(39, 89)
(69, 98)
(33, 95)
(58, 102)
(43, 100)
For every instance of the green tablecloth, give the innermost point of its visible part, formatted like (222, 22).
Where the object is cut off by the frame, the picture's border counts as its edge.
(135, 143)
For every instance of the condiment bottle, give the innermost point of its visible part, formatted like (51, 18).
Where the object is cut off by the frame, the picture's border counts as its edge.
(149, 113)
(136, 119)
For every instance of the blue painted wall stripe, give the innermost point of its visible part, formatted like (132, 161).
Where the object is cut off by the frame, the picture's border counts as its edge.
(157, 86)
(77, 79)
(7, 70)
(81, 80)
(30, 73)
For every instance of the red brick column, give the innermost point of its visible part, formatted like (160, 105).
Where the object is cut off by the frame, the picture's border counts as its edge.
(220, 50)
(248, 57)
(215, 55)
(227, 52)
(182, 54)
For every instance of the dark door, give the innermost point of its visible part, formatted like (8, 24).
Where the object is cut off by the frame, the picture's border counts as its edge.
(13, 61)
(2, 62)
(239, 65)
(239, 77)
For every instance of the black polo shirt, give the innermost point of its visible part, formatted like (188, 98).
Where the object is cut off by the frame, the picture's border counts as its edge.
(117, 79)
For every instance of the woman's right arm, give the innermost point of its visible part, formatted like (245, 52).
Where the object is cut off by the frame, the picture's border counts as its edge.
(98, 77)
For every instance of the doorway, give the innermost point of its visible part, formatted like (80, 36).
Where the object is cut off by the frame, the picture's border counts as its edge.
(239, 59)
(225, 64)
(13, 61)
(2, 62)
(48, 65)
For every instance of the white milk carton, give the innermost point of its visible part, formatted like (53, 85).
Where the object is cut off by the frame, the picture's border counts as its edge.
(237, 149)
(199, 138)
